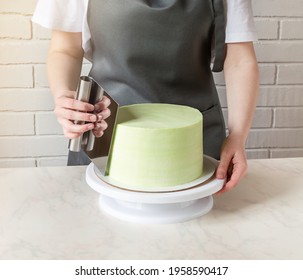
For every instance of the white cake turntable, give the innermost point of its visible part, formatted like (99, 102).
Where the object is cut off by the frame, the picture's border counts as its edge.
(157, 205)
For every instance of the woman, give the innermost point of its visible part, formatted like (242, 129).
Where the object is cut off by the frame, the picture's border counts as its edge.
(157, 51)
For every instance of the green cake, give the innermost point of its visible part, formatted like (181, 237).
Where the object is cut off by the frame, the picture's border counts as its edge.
(157, 145)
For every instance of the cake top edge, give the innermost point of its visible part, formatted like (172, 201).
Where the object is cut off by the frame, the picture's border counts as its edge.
(158, 116)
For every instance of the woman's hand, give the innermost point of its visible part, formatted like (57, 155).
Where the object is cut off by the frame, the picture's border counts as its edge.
(233, 163)
(71, 112)
(64, 63)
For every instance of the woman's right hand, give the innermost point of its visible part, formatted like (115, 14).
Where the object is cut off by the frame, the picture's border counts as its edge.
(68, 110)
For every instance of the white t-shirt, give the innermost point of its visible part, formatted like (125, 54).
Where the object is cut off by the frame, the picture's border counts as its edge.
(71, 16)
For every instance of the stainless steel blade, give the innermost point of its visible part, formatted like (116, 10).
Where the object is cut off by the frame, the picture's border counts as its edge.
(98, 149)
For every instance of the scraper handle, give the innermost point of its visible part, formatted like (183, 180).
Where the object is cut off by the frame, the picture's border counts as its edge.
(83, 94)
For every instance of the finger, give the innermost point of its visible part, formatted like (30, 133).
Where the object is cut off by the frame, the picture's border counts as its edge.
(70, 128)
(103, 104)
(224, 169)
(74, 104)
(101, 126)
(238, 171)
(98, 133)
(224, 164)
(75, 115)
(104, 114)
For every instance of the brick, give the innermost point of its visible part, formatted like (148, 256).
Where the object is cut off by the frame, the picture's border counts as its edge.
(40, 75)
(288, 117)
(21, 51)
(257, 153)
(16, 163)
(222, 96)
(57, 161)
(267, 74)
(15, 26)
(267, 29)
(26, 100)
(16, 76)
(40, 32)
(225, 115)
(279, 51)
(280, 96)
(18, 6)
(277, 8)
(17, 124)
(290, 74)
(292, 29)
(219, 78)
(46, 124)
(275, 138)
(263, 117)
(33, 146)
(286, 153)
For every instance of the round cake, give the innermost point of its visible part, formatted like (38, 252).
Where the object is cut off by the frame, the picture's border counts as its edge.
(156, 145)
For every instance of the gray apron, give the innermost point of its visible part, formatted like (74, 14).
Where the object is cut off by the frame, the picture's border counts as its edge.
(159, 51)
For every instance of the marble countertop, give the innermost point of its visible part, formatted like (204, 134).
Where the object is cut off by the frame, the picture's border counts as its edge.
(51, 213)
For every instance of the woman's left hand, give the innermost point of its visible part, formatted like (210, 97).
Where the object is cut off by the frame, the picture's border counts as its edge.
(233, 163)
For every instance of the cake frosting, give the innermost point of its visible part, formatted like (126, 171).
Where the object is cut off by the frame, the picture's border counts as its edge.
(157, 145)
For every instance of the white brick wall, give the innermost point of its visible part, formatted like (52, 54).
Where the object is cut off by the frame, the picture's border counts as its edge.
(279, 24)
(31, 136)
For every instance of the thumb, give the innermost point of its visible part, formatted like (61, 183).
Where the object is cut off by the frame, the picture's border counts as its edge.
(222, 169)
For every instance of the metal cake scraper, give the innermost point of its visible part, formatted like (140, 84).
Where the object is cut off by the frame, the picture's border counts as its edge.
(97, 149)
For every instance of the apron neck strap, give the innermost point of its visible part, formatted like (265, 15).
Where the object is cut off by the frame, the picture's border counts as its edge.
(219, 36)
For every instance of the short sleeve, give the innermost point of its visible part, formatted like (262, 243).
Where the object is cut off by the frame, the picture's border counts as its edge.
(239, 21)
(64, 15)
